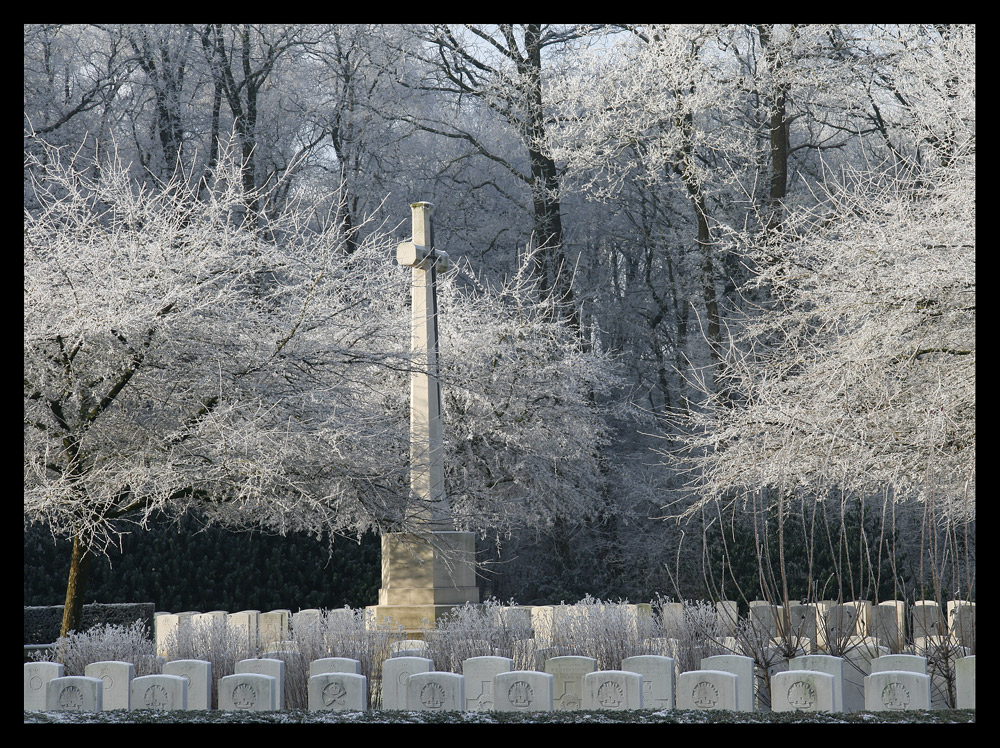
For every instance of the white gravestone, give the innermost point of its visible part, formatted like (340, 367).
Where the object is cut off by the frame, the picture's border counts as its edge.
(435, 692)
(940, 692)
(776, 659)
(612, 690)
(267, 666)
(542, 623)
(408, 648)
(338, 692)
(523, 691)
(36, 679)
(74, 693)
(843, 622)
(515, 619)
(199, 677)
(396, 673)
(166, 627)
(567, 673)
(803, 691)
(309, 619)
(706, 690)
(927, 619)
(165, 693)
(743, 668)
(172, 627)
(965, 682)
(804, 625)
(672, 615)
(909, 663)
(639, 618)
(273, 626)
(205, 621)
(889, 625)
(479, 673)
(334, 665)
(897, 690)
(962, 622)
(763, 618)
(248, 692)
(731, 645)
(116, 677)
(249, 622)
(832, 666)
(657, 679)
(728, 617)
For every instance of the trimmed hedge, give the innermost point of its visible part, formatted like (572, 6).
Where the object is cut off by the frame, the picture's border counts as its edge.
(42, 622)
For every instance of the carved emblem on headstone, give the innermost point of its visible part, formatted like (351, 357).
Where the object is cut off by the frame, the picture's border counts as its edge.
(432, 696)
(156, 697)
(705, 695)
(610, 695)
(895, 696)
(520, 694)
(801, 695)
(244, 696)
(334, 693)
(71, 698)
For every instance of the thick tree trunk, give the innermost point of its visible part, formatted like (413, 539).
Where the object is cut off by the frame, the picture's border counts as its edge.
(76, 587)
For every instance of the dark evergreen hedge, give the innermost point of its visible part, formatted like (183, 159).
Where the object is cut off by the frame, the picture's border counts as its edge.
(185, 566)
(42, 623)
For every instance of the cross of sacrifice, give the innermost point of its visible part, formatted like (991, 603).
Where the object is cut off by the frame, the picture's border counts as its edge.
(426, 443)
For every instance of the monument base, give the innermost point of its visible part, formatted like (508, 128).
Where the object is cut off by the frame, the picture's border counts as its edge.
(424, 577)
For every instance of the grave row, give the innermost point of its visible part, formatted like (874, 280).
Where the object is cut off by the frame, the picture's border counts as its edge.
(729, 682)
(822, 627)
(828, 623)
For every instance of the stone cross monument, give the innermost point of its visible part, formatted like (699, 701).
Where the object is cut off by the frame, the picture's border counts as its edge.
(427, 573)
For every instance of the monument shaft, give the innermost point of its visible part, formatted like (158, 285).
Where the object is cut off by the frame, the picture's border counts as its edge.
(426, 440)
(427, 573)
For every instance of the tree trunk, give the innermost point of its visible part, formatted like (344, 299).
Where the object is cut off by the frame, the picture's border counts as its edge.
(553, 274)
(79, 570)
(778, 131)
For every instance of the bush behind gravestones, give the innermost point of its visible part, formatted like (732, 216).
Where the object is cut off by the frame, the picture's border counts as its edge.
(43, 622)
(183, 565)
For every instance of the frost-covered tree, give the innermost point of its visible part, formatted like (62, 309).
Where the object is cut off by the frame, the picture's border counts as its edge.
(852, 375)
(502, 71)
(180, 358)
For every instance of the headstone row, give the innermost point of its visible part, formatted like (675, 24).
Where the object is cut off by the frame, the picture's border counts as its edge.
(822, 627)
(827, 625)
(805, 683)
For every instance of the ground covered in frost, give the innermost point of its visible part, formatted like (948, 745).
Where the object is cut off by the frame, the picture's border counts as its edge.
(639, 717)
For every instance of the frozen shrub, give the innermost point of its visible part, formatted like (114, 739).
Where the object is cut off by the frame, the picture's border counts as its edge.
(607, 631)
(116, 642)
(490, 629)
(941, 653)
(215, 641)
(696, 634)
(349, 633)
